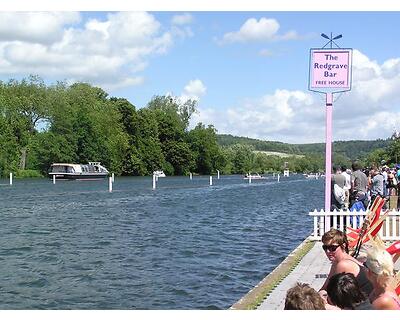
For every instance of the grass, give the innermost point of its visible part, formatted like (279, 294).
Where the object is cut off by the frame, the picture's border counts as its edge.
(258, 294)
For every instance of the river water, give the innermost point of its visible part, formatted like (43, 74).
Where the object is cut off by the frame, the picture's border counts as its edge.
(185, 245)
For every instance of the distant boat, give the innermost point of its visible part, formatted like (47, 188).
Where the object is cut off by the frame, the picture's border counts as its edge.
(159, 174)
(254, 176)
(70, 171)
(312, 175)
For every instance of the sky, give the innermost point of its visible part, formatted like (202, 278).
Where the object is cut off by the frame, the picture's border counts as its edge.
(248, 70)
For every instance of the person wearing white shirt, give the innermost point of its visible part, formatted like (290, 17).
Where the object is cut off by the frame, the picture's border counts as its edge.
(347, 186)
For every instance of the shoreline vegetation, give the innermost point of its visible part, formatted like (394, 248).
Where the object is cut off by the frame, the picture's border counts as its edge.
(41, 124)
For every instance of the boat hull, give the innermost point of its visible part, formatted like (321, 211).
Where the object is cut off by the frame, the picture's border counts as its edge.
(78, 176)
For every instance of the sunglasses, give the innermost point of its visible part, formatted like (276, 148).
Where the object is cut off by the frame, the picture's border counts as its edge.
(330, 247)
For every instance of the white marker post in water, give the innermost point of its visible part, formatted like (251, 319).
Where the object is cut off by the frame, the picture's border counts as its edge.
(154, 181)
(218, 174)
(109, 184)
(190, 176)
(11, 180)
(278, 177)
(112, 176)
(210, 180)
(54, 179)
(249, 177)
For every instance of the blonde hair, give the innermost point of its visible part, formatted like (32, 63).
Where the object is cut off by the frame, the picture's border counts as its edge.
(380, 262)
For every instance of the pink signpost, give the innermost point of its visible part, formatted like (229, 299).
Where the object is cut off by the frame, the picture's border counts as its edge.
(330, 72)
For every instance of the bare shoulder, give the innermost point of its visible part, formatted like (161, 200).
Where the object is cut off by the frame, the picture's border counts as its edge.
(347, 265)
(384, 302)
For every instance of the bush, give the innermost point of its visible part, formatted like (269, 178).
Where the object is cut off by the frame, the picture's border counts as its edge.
(28, 174)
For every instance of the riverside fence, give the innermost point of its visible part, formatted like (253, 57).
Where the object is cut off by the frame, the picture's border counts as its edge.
(390, 230)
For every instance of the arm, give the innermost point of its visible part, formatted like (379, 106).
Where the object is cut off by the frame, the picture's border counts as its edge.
(332, 272)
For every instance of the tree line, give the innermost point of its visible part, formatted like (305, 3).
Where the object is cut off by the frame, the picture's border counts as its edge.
(41, 124)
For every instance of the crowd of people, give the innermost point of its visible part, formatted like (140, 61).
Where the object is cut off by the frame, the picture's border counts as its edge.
(350, 285)
(355, 188)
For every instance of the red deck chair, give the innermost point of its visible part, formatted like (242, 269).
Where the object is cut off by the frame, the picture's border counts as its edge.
(372, 224)
(394, 250)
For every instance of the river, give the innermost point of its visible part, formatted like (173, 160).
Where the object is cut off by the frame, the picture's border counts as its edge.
(185, 245)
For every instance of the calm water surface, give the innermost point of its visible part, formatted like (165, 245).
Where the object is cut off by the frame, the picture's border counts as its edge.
(186, 245)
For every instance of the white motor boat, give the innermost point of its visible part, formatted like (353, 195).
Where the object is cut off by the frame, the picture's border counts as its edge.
(159, 174)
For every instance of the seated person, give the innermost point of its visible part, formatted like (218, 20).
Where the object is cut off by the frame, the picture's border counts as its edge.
(380, 272)
(336, 249)
(344, 292)
(303, 297)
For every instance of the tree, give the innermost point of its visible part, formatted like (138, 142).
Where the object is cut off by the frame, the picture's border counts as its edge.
(27, 103)
(206, 152)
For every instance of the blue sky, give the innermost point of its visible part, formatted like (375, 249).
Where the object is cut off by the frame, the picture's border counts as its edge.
(248, 70)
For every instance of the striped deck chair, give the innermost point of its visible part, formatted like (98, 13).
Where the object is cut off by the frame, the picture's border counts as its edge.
(394, 250)
(371, 226)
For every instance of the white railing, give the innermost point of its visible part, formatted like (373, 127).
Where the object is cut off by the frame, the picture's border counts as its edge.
(339, 219)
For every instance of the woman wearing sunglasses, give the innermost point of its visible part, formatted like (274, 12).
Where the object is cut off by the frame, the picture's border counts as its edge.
(336, 249)
(379, 264)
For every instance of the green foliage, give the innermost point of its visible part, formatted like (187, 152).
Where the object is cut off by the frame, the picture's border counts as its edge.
(41, 124)
(206, 152)
(28, 174)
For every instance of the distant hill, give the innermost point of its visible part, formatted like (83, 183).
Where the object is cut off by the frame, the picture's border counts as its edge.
(353, 149)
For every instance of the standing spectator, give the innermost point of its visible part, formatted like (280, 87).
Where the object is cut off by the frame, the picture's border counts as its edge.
(359, 184)
(337, 193)
(385, 180)
(347, 186)
(377, 183)
(392, 183)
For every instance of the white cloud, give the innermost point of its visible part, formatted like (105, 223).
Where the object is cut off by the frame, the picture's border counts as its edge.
(194, 90)
(369, 111)
(182, 19)
(108, 52)
(38, 27)
(254, 30)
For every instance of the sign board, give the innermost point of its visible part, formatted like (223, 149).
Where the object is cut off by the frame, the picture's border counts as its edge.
(330, 70)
